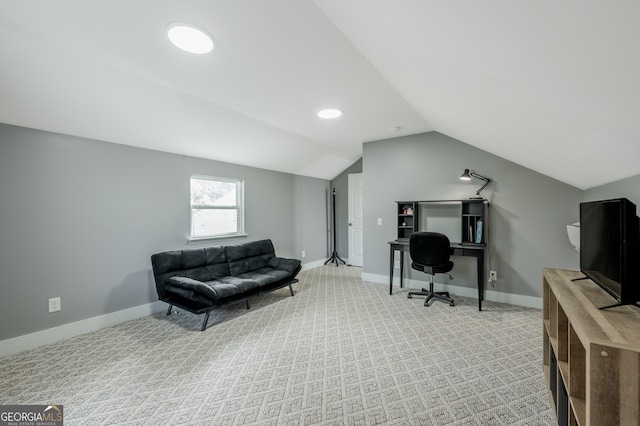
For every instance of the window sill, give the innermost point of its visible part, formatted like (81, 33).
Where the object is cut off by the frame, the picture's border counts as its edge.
(196, 240)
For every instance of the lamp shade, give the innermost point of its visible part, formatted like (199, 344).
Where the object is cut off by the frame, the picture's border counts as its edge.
(465, 175)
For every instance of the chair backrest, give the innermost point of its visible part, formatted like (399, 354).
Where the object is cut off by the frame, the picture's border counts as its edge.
(429, 248)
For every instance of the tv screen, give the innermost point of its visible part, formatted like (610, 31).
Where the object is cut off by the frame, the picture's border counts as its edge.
(610, 247)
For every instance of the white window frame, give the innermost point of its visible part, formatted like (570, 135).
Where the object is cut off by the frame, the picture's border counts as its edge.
(239, 206)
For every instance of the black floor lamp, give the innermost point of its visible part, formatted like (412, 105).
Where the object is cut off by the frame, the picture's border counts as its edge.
(334, 256)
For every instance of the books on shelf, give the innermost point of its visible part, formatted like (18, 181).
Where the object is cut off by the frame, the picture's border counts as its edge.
(474, 233)
(479, 232)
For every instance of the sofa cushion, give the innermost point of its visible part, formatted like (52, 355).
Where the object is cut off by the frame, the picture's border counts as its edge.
(205, 264)
(212, 290)
(187, 294)
(186, 285)
(216, 262)
(202, 264)
(168, 261)
(193, 258)
(242, 284)
(249, 256)
(292, 266)
(248, 249)
(265, 276)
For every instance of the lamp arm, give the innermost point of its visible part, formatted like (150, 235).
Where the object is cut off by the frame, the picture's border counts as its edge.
(477, 176)
(481, 188)
(483, 178)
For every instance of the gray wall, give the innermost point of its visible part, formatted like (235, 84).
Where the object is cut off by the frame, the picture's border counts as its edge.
(624, 188)
(527, 218)
(310, 200)
(79, 220)
(341, 185)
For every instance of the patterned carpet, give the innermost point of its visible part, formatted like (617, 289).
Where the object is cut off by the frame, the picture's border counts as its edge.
(340, 352)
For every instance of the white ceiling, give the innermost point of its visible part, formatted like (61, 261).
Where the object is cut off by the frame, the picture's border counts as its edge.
(550, 85)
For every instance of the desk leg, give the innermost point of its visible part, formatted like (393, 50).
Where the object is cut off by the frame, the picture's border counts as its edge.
(480, 264)
(391, 259)
(401, 267)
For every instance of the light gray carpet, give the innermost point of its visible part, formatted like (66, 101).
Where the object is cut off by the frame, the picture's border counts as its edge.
(341, 351)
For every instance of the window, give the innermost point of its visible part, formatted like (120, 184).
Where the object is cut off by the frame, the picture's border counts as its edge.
(216, 207)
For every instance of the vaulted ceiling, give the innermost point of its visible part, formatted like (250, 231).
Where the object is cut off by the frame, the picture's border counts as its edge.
(552, 86)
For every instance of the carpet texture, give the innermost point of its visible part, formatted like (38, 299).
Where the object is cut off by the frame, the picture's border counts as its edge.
(340, 352)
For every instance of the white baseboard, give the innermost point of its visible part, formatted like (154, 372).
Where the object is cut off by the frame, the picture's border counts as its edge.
(311, 265)
(67, 331)
(490, 295)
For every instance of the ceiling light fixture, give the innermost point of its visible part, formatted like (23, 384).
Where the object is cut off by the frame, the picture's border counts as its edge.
(329, 113)
(190, 39)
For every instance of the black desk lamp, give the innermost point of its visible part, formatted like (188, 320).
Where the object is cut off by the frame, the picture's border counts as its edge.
(468, 174)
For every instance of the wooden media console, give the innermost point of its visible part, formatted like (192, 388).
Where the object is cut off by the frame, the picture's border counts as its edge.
(591, 357)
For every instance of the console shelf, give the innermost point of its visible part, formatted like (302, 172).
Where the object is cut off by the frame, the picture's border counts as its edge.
(591, 357)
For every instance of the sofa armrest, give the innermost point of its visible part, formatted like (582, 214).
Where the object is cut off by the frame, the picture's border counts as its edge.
(292, 266)
(195, 286)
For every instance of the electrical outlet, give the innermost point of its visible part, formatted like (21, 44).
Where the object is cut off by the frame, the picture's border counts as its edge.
(304, 253)
(379, 221)
(493, 276)
(54, 304)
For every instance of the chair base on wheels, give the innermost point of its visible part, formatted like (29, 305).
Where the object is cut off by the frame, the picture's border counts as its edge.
(431, 295)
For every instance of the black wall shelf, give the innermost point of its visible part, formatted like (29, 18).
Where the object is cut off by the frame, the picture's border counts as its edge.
(473, 219)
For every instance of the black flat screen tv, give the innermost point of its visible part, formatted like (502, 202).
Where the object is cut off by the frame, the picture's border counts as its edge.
(610, 248)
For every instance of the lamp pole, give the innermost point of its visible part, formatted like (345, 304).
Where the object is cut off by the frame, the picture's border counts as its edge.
(334, 256)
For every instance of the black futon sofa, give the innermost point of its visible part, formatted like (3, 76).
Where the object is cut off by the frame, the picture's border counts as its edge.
(200, 280)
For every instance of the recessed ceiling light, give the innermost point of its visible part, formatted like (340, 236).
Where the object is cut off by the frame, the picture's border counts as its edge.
(329, 113)
(190, 39)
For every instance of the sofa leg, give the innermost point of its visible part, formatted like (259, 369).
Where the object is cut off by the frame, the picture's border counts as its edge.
(291, 289)
(169, 310)
(206, 319)
(248, 304)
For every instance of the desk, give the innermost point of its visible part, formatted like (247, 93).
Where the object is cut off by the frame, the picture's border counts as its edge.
(457, 249)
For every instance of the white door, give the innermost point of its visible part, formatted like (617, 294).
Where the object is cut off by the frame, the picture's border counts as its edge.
(355, 220)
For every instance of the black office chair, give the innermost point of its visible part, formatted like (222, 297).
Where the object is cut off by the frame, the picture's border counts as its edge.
(430, 254)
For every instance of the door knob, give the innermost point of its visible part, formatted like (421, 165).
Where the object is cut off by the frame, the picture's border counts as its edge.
(350, 224)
